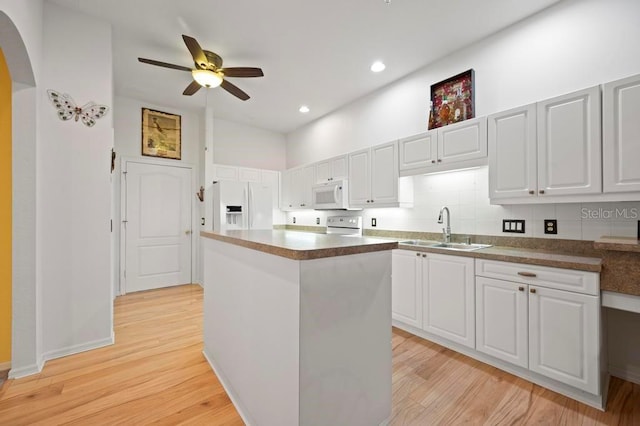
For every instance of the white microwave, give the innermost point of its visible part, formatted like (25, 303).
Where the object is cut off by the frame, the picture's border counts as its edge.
(330, 196)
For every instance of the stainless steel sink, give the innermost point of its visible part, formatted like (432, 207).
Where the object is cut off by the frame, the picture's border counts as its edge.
(447, 246)
(460, 246)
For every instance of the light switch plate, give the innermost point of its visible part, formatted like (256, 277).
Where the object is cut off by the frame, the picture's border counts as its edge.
(515, 226)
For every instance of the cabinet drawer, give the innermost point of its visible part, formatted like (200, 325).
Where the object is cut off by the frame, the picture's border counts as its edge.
(544, 276)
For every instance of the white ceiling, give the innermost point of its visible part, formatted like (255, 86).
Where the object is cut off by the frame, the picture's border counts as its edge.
(312, 52)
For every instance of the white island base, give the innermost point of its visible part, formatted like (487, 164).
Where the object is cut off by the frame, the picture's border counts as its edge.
(300, 342)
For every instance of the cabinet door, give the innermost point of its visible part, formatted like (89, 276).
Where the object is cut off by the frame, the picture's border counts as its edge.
(249, 175)
(384, 174)
(323, 171)
(406, 287)
(512, 153)
(286, 199)
(569, 144)
(564, 337)
(360, 178)
(222, 172)
(448, 298)
(339, 168)
(308, 179)
(502, 320)
(462, 141)
(418, 151)
(621, 144)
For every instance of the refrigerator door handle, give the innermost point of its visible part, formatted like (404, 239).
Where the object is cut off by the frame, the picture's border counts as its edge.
(250, 208)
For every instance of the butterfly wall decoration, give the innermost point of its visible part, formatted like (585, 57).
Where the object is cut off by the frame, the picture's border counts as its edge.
(67, 109)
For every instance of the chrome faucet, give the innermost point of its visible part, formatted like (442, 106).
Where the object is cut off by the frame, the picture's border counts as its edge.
(446, 233)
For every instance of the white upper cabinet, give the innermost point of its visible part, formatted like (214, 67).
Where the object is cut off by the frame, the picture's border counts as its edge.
(224, 172)
(332, 169)
(418, 151)
(374, 178)
(450, 147)
(547, 149)
(512, 153)
(569, 144)
(296, 188)
(621, 132)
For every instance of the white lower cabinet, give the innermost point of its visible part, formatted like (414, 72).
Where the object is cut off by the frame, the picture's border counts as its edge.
(448, 298)
(544, 320)
(524, 320)
(564, 337)
(501, 320)
(435, 293)
(406, 287)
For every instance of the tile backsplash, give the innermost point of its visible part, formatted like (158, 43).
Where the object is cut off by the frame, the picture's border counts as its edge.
(465, 192)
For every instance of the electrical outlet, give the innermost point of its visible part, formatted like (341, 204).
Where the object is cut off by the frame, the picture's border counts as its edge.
(294, 219)
(550, 226)
(317, 221)
(374, 223)
(515, 226)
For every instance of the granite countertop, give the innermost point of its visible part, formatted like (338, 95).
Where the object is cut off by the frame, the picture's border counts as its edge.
(520, 255)
(618, 244)
(301, 245)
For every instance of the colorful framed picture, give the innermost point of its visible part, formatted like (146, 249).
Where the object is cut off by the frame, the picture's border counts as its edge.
(452, 100)
(161, 133)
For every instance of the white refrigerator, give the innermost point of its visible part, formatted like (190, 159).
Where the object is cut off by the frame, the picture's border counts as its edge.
(242, 205)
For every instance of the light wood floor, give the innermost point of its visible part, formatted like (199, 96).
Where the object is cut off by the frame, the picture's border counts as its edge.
(155, 373)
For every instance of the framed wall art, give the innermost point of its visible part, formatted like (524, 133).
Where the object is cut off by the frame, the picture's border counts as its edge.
(452, 100)
(161, 133)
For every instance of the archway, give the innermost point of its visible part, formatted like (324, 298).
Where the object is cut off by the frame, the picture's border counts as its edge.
(25, 328)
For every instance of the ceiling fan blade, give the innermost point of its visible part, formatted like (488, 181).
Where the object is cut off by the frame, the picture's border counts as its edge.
(234, 90)
(164, 64)
(196, 51)
(242, 72)
(192, 88)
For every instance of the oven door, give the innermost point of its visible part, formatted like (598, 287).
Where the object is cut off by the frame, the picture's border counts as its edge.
(330, 196)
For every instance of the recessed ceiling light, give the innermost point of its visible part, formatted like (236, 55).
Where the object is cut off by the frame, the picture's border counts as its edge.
(378, 66)
(304, 109)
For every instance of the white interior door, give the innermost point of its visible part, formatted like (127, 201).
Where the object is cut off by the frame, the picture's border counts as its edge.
(157, 226)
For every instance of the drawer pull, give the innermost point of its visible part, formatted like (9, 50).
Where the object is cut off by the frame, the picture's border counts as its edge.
(418, 254)
(533, 290)
(520, 288)
(527, 274)
(424, 255)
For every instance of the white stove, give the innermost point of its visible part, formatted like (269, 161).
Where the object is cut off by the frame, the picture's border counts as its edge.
(345, 225)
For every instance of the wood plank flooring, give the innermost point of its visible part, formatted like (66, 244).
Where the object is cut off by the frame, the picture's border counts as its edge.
(156, 374)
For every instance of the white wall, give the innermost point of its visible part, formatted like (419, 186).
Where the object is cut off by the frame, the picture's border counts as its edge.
(570, 46)
(241, 145)
(21, 42)
(73, 186)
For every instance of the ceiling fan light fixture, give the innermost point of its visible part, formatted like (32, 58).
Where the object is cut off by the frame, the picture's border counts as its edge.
(207, 78)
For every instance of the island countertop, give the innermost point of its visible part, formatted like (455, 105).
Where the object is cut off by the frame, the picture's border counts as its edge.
(301, 245)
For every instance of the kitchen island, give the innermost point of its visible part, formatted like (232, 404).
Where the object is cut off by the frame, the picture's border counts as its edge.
(297, 326)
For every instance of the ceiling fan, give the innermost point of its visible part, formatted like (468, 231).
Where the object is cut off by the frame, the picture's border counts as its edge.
(208, 71)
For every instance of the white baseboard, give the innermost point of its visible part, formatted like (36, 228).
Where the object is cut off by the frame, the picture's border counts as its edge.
(629, 374)
(28, 370)
(246, 418)
(83, 347)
